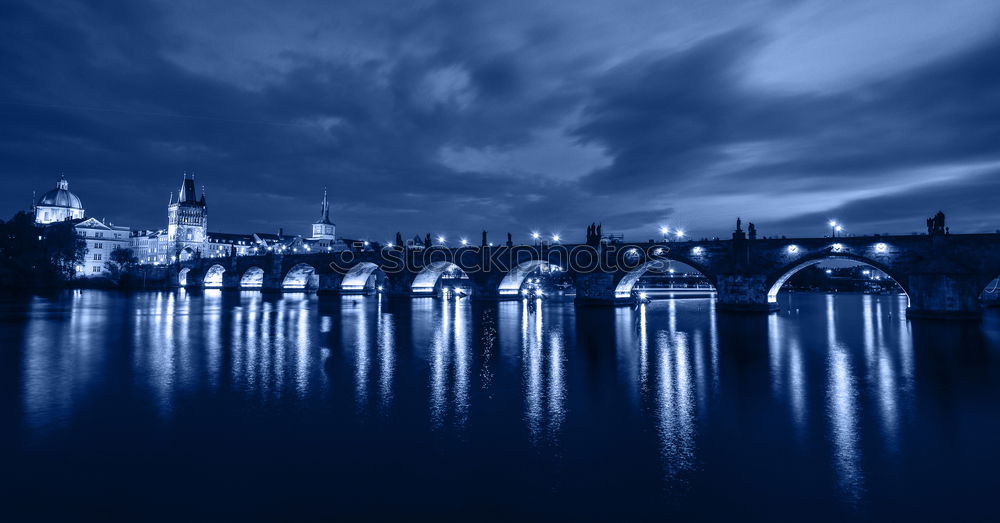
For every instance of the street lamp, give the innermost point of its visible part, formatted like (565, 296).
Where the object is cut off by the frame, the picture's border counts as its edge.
(464, 241)
(555, 237)
(441, 239)
(679, 233)
(664, 231)
(833, 228)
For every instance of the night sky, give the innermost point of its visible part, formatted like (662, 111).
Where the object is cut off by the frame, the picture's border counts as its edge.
(451, 117)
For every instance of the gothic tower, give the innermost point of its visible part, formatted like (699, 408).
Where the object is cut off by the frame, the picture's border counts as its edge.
(324, 229)
(187, 219)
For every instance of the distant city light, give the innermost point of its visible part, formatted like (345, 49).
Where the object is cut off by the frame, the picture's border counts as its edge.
(389, 244)
(829, 271)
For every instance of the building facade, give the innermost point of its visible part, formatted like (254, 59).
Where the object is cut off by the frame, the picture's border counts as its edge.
(186, 234)
(102, 238)
(61, 205)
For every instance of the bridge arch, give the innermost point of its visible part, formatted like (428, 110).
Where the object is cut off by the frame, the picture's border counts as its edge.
(301, 277)
(774, 283)
(186, 254)
(360, 278)
(182, 276)
(426, 281)
(253, 278)
(626, 285)
(213, 276)
(512, 282)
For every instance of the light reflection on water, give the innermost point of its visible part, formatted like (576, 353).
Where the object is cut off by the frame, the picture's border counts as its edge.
(826, 390)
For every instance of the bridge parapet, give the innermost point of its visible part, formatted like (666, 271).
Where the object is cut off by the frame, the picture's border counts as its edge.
(943, 275)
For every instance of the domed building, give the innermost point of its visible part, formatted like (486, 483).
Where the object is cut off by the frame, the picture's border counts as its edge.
(58, 205)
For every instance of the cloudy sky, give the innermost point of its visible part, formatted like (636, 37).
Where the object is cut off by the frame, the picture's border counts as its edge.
(509, 115)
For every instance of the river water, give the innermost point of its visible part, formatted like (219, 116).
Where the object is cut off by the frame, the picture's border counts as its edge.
(221, 405)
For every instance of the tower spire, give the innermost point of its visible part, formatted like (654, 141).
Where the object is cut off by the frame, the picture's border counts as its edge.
(324, 213)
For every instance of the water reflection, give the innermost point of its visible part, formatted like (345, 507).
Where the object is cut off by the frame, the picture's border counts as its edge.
(675, 378)
(386, 354)
(831, 393)
(446, 324)
(543, 371)
(842, 410)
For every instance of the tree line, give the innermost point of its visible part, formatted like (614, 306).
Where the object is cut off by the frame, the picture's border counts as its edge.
(33, 256)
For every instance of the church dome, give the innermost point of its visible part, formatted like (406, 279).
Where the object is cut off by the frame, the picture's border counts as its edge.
(61, 196)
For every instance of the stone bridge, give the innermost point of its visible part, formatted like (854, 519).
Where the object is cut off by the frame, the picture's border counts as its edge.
(943, 275)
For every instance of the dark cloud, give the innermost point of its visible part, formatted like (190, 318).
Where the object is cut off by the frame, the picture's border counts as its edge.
(268, 104)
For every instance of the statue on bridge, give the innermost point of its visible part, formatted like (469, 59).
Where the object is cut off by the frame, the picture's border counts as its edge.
(935, 225)
(752, 231)
(594, 235)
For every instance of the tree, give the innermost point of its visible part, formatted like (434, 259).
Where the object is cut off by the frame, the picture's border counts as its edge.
(38, 256)
(120, 260)
(66, 250)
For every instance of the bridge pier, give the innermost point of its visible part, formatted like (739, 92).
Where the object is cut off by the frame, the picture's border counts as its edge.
(743, 293)
(944, 296)
(598, 288)
(329, 283)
